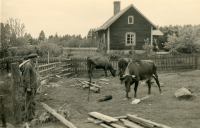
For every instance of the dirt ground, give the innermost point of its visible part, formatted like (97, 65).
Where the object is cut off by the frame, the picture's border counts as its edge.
(164, 109)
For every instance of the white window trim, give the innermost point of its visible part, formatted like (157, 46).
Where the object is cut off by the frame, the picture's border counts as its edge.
(132, 19)
(133, 33)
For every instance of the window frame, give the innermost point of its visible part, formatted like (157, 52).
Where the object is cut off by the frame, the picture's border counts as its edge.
(134, 40)
(132, 19)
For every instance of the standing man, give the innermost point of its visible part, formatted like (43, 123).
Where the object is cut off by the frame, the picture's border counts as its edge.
(29, 76)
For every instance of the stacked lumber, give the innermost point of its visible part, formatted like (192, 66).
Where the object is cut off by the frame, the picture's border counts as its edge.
(128, 121)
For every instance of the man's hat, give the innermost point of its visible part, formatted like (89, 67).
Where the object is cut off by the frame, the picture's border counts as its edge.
(33, 55)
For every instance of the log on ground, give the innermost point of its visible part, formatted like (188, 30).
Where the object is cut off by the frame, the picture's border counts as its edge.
(58, 116)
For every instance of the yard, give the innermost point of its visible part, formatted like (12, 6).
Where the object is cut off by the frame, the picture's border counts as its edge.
(164, 109)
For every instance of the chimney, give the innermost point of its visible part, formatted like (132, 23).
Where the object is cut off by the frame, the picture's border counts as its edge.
(116, 7)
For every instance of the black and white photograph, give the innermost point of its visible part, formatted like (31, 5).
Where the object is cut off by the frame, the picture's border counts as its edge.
(100, 64)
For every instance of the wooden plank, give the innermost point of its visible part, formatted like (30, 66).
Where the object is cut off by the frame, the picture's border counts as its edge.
(46, 69)
(67, 74)
(16, 95)
(92, 84)
(130, 124)
(150, 123)
(48, 64)
(62, 119)
(105, 125)
(116, 125)
(103, 117)
(66, 69)
(121, 117)
(93, 120)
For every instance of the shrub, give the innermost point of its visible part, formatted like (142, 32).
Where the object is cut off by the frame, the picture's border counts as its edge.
(147, 48)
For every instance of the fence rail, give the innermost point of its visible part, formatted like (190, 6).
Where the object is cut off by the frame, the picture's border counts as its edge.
(80, 50)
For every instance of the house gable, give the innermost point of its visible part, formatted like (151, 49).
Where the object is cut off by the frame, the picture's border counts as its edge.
(119, 29)
(118, 15)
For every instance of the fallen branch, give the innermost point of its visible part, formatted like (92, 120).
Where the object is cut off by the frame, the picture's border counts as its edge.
(58, 116)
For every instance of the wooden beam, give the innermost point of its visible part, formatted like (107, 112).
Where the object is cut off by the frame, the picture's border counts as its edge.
(108, 40)
(16, 95)
(103, 117)
(93, 120)
(147, 122)
(116, 125)
(105, 125)
(121, 117)
(58, 116)
(130, 124)
(92, 84)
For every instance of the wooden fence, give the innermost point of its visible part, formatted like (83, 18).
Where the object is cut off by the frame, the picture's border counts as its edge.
(5, 64)
(80, 50)
(164, 63)
(79, 65)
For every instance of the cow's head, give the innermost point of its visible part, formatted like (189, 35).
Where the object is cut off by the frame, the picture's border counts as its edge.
(128, 80)
(113, 72)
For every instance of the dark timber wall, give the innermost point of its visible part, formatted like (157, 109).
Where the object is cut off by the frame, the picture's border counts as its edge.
(118, 30)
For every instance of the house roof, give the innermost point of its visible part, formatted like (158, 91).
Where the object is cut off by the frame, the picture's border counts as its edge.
(157, 32)
(116, 16)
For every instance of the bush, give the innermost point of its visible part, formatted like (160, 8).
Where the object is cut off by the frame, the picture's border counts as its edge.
(147, 48)
(188, 40)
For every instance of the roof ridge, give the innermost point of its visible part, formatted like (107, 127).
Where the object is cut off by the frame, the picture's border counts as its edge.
(116, 16)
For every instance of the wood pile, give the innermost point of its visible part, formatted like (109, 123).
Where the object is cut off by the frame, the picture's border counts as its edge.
(128, 121)
(85, 84)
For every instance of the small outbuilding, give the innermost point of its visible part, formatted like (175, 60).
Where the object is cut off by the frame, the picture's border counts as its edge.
(127, 29)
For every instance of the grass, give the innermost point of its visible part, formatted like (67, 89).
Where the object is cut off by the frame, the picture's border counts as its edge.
(164, 109)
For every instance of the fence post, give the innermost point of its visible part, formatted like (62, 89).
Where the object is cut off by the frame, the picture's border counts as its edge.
(7, 66)
(196, 61)
(2, 112)
(16, 96)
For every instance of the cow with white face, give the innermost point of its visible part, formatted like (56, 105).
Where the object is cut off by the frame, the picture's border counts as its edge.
(140, 70)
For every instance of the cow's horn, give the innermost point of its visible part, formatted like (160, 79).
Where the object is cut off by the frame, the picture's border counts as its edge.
(133, 76)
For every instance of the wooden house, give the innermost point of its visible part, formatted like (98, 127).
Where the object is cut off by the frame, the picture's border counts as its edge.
(127, 29)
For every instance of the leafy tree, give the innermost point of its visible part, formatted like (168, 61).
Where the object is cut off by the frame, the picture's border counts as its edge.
(41, 36)
(166, 30)
(5, 39)
(187, 41)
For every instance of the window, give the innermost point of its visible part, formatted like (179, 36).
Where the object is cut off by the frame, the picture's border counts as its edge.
(130, 20)
(130, 38)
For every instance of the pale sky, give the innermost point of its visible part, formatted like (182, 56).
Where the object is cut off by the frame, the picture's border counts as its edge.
(74, 17)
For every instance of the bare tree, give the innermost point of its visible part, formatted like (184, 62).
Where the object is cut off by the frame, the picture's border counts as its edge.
(16, 27)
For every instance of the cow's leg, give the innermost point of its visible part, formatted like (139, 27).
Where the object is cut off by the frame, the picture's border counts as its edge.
(122, 73)
(157, 81)
(128, 89)
(105, 70)
(90, 71)
(135, 88)
(149, 86)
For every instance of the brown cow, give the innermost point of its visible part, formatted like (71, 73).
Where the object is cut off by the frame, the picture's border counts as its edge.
(140, 70)
(99, 62)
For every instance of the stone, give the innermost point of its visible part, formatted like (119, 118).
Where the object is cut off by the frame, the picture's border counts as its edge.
(183, 93)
